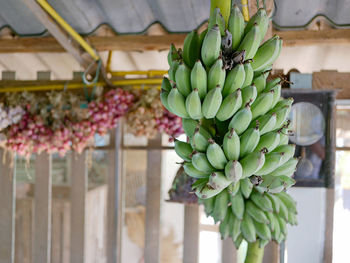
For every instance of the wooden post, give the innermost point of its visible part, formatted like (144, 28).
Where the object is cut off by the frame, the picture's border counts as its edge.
(152, 232)
(115, 199)
(42, 213)
(79, 183)
(272, 253)
(191, 234)
(7, 209)
(228, 251)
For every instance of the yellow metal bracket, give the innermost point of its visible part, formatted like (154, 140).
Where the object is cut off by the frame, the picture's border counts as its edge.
(245, 9)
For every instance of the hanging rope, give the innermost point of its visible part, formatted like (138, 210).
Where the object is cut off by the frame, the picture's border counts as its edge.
(93, 82)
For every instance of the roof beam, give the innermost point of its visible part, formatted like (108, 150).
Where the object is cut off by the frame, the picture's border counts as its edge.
(161, 42)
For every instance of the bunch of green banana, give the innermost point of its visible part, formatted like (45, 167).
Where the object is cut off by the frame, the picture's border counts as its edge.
(236, 125)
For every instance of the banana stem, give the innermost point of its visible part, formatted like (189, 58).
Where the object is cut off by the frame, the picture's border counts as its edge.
(225, 8)
(255, 253)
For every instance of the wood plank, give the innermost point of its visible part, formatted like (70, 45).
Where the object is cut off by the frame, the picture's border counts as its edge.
(115, 198)
(228, 251)
(332, 80)
(7, 208)
(42, 212)
(271, 253)
(152, 235)
(191, 234)
(79, 183)
(328, 241)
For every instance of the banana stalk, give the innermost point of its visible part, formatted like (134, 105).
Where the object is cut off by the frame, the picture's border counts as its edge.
(255, 253)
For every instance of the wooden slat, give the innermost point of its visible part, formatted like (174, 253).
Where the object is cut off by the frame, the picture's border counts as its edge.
(271, 253)
(42, 212)
(191, 234)
(114, 201)
(228, 251)
(79, 182)
(152, 235)
(7, 209)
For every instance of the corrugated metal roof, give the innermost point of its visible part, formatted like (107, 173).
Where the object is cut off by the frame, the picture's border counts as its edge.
(135, 16)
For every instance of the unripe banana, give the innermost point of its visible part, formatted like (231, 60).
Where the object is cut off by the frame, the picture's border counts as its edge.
(272, 184)
(173, 55)
(191, 49)
(233, 188)
(283, 103)
(207, 192)
(262, 201)
(292, 218)
(235, 227)
(234, 80)
(272, 161)
(286, 169)
(176, 103)
(272, 221)
(256, 213)
(284, 137)
(184, 150)
(236, 26)
(233, 171)
(276, 94)
(216, 75)
(199, 79)
(164, 99)
(281, 116)
(216, 155)
(283, 225)
(199, 184)
(173, 69)
(263, 242)
(231, 145)
(277, 232)
(270, 84)
(260, 18)
(248, 229)
(193, 172)
(274, 201)
(237, 205)
(230, 105)
(249, 94)
(266, 54)
(194, 105)
(262, 104)
(246, 187)
(208, 205)
(241, 120)
(238, 241)
(211, 46)
(260, 81)
(269, 141)
(200, 139)
(220, 207)
(218, 180)
(251, 42)
(212, 102)
(201, 163)
(249, 140)
(288, 151)
(288, 201)
(216, 18)
(166, 86)
(252, 163)
(287, 181)
(249, 73)
(224, 227)
(267, 123)
(262, 230)
(189, 126)
(183, 79)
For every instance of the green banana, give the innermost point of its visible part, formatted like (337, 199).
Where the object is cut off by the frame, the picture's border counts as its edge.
(248, 229)
(281, 116)
(272, 220)
(212, 103)
(262, 104)
(274, 201)
(218, 180)
(173, 69)
(211, 46)
(237, 205)
(164, 99)
(252, 163)
(208, 205)
(231, 145)
(276, 94)
(284, 136)
(173, 55)
(166, 85)
(241, 120)
(249, 140)
(233, 188)
(246, 187)
(266, 54)
(236, 26)
(263, 242)
(216, 155)
(217, 19)
(283, 225)
(249, 94)
(286, 169)
(201, 163)
(235, 227)
(207, 192)
(249, 73)
(200, 139)
(193, 105)
(191, 49)
(288, 201)
(183, 79)
(262, 201)
(220, 207)
(292, 218)
(267, 123)
(288, 151)
(238, 241)
(260, 81)
(283, 103)
(276, 233)
(260, 18)
(193, 172)
(224, 227)
(262, 230)
(271, 184)
(233, 171)
(216, 75)
(199, 79)
(251, 42)
(183, 149)
(189, 126)
(234, 80)
(256, 213)
(177, 103)
(270, 84)
(269, 141)
(230, 105)
(272, 161)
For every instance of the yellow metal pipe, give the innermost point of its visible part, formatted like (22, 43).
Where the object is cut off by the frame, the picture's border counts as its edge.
(245, 10)
(48, 8)
(149, 73)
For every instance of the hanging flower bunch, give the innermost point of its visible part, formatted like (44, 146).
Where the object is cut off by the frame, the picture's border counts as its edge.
(149, 117)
